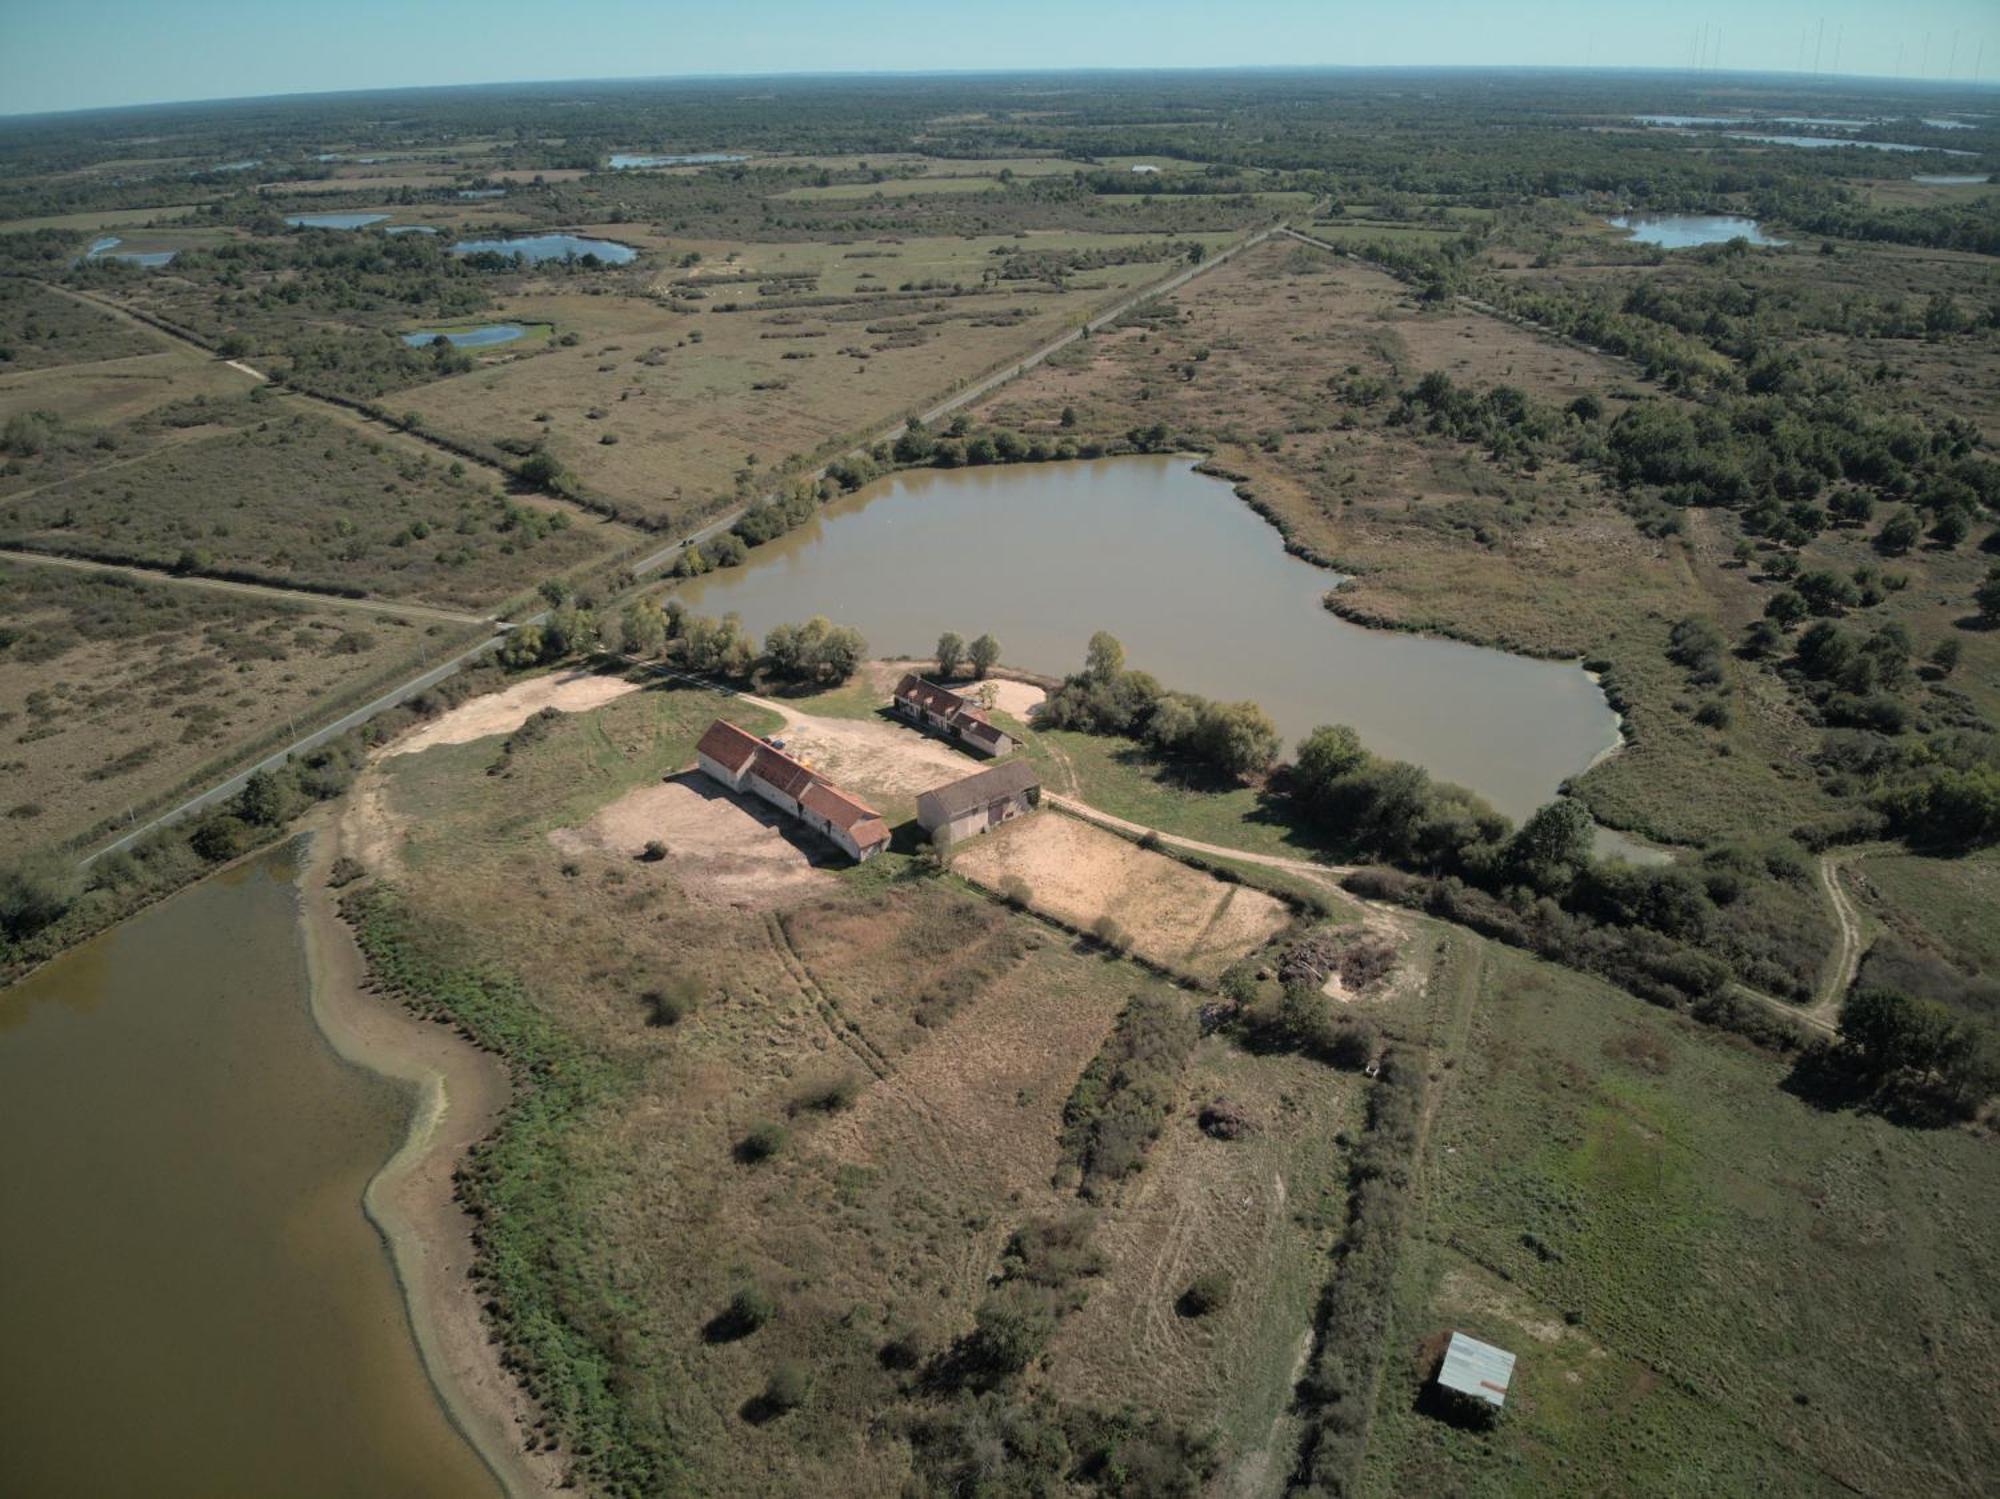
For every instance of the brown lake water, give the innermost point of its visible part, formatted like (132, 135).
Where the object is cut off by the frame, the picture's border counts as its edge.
(191, 1300)
(1198, 587)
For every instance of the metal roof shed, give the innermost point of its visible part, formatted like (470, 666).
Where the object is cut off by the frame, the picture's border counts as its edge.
(1477, 1370)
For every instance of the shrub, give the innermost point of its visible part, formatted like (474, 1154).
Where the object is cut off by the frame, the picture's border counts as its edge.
(673, 1001)
(827, 1095)
(1121, 1101)
(763, 1140)
(1111, 934)
(1207, 1292)
(790, 1386)
(653, 852)
(1014, 890)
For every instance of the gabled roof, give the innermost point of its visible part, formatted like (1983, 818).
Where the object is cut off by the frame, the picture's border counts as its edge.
(976, 725)
(781, 772)
(836, 806)
(956, 798)
(928, 695)
(1476, 1369)
(728, 745)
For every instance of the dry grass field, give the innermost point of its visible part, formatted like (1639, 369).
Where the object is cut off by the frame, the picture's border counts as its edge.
(667, 404)
(113, 691)
(1178, 917)
(300, 500)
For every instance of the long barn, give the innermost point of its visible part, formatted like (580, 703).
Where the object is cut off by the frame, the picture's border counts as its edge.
(743, 762)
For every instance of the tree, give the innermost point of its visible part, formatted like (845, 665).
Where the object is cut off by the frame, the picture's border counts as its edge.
(1945, 655)
(1987, 596)
(267, 800)
(641, 630)
(1899, 532)
(950, 654)
(1785, 609)
(34, 894)
(1238, 739)
(1325, 755)
(1104, 657)
(1552, 845)
(1951, 527)
(985, 654)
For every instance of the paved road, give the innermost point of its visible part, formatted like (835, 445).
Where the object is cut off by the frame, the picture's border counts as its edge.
(221, 793)
(423, 613)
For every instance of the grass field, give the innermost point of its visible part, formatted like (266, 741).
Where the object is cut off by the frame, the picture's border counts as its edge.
(40, 329)
(670, 407)
(303, 501)
(114, 691)
(1711, 1284)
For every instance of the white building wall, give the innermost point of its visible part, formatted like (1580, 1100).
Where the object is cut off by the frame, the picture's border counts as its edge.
(718, 771)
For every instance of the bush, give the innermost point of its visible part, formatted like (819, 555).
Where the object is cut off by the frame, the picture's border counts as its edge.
(35, 894)
(828, 1095)
(790, 1386)
(1110, 933)
(762, 1141)
(653, 852)
(1014, 890)
(748, 1311)
(1122, 1100)
(1206, 1293)
(673, 1001)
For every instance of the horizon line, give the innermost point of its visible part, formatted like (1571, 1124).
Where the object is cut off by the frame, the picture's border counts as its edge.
(1691, 73)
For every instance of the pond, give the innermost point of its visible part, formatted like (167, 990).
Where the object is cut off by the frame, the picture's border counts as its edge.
(624, 162)
(1832, 143)
(411, 229)
(1684, 231)
(482, 192)
(107, 249)
(1972, 179)
(334, 220)
(536, 248)
(194, 1303)
(1196, 585)
(467, 338)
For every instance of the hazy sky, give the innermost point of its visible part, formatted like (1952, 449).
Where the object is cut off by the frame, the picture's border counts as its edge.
(77, 54)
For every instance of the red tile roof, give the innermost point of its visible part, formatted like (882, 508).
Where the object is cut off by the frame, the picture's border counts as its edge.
(728, 745)
(859, 820)
(928, 695)
(781, 772)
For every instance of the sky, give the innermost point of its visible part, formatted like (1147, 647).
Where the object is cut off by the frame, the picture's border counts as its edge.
(82, 54)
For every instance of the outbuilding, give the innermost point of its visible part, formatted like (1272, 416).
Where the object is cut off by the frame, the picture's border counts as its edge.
(964, 808)
(1474, 1370)
(958, 717)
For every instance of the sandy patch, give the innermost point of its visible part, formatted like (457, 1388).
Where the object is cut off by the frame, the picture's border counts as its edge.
(503, 712)
(1174, 915)
(721, 848)
(1016, 699)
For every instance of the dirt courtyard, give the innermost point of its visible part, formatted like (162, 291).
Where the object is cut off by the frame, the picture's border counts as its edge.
(726, 849)
(1174, 915)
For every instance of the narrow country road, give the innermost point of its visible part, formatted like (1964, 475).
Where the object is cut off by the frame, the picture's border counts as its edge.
(424, 613)
(1846, 961)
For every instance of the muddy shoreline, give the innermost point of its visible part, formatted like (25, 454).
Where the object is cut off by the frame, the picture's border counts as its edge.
(459, 1094)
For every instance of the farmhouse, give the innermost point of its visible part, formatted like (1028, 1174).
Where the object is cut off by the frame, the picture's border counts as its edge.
(985, 799)
(743, 762)
(1476, 1371)
(959, 718)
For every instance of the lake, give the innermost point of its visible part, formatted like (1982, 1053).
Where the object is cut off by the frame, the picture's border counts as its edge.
(1197, 586)
(107, 249)
(334, 220)
(194, 1303)
(467, 338)
(535, 248)
(624, 162)
(1684, 231)
(1830, 143)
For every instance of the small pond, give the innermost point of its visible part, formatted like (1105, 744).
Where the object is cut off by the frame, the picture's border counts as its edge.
(625, 162)
(1196, 585)
(411, 229)
(482, 192)
(1684, 231)
(467, 338)
(536, 248)
(334, 220)
(107, 249)
(1950, 124)
(1973, 179)
(1688, 119)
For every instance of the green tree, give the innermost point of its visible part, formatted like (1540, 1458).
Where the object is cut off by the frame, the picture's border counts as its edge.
(1987, 596)
(35, 893)
(985, 655)
(1104, 657)
(1552, 845)
(950, 654)
(1899, 532)
(642, 631)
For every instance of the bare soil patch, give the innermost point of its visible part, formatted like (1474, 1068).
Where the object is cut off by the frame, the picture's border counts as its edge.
(503, 712)
(1079, 873)
(721, 848)
(876, 758)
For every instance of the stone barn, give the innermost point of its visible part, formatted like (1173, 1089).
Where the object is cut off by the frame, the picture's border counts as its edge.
(962, 809)
(950, 714)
